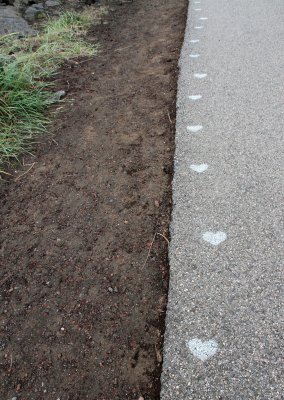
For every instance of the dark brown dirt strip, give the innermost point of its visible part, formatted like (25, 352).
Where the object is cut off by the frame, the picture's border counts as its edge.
(82, 316)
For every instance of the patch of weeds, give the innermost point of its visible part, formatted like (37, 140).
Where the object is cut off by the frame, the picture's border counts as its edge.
(25, 66)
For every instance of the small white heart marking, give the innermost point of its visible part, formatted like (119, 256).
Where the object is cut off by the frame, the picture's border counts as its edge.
(194, 128)
(202, 350)
(195, 97)
(199, 167)
(200, 76)
(214, 238)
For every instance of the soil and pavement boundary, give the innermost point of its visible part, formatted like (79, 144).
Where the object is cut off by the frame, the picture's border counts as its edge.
(82, 315)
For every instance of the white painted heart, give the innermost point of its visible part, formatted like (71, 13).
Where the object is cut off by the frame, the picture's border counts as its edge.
(202, 350)
(214, 238)
(194, 128)
(195, 97)
(200, 76)
(194, 55)
(199, 167)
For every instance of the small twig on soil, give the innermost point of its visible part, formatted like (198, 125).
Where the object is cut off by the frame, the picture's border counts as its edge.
(151, 245)
(20, 176)
(11, 363)
(166, 239)
(169, 117)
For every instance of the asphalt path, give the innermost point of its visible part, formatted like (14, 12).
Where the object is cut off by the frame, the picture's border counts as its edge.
(224, 325)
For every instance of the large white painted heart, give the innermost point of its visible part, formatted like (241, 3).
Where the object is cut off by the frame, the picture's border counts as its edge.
(194, 128)
(199, 167)
(214, 238)
(200, 76)
(202, 350)
(195, 97)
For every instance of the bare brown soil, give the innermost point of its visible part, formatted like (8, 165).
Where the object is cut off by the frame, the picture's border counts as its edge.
(82, 316)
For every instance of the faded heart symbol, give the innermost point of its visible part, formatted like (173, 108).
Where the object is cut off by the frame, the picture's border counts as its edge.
(200, 76)
(199, 167)
(195, 97)
(194, 128)
(214, 238)
(202, 350)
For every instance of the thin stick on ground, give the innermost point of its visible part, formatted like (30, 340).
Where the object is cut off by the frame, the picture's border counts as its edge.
(20, 176)
(170, 117)
(151, 245)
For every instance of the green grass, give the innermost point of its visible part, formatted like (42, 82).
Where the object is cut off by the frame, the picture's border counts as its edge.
(25, 65)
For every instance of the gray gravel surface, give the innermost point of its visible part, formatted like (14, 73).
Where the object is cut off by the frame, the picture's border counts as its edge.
(224, 326)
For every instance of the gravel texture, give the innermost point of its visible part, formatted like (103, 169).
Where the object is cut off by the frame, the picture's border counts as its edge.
(224, 322)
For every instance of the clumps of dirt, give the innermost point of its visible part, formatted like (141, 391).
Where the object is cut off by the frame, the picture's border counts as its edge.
(82, 315)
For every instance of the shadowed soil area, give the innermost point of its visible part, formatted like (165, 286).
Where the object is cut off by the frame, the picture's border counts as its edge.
(82, 315)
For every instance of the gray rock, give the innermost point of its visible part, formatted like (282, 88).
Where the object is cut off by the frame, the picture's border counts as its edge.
(11, 21)
(32, 13)
(38, 6)
(59, 95)
(52, 3)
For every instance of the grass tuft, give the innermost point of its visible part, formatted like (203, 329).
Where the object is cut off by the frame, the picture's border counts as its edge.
(25, 65)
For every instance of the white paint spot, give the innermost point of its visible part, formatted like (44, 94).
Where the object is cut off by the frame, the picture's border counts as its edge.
(194, 55)
(194, 128)
(200, 76)
(195, 97)
(197, 2)
(199, 167)
(194, 41)
(203, 18)
(198, 27)
(197, 9)
(214, 238)
(202, 350)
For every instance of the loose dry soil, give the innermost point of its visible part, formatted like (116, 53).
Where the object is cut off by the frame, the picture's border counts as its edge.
(82, 317)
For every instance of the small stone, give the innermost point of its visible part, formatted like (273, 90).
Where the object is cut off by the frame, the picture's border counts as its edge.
(33, 14)
(52, 3)
(38, 6)
(110, 289)
(59, 95)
